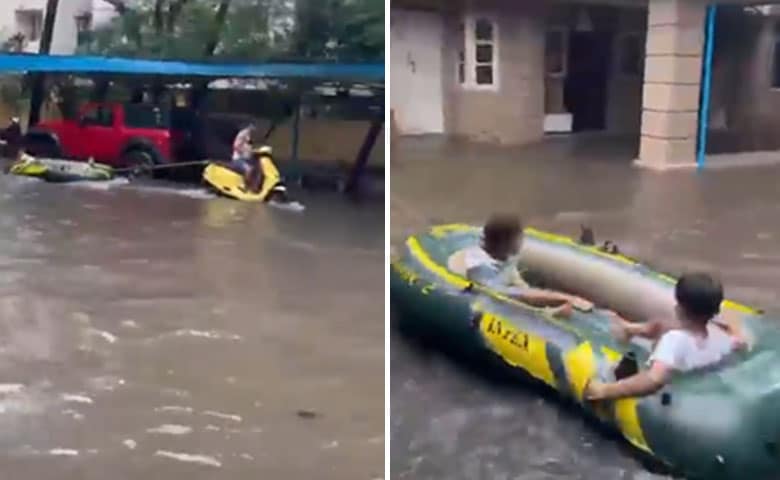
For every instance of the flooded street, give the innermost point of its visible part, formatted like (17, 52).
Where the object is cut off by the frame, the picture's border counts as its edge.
(450, 423)
(151, 332)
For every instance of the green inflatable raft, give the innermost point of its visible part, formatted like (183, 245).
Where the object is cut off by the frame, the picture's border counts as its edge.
(723, 422)
(56, 170)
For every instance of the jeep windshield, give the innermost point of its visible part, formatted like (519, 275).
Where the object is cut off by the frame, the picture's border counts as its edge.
(147, 116)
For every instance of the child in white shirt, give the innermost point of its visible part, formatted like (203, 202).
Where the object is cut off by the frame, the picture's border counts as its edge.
(494, 265)
(688, 342)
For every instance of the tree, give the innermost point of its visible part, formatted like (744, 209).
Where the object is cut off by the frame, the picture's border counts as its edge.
(339, 29)
(244, 30)
(187, 29)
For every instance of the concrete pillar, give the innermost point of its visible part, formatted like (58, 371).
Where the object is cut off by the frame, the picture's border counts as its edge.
(670, 97)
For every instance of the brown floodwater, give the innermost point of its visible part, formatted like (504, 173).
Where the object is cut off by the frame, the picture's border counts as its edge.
(153, 331)
(450, 423)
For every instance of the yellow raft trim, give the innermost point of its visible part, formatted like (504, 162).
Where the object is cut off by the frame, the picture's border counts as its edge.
(441, 230)
(580, 367)
(627, 418)
(517, 348)
(26, 168)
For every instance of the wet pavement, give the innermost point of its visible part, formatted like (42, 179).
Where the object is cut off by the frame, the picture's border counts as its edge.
(450, 423)
(157, 332)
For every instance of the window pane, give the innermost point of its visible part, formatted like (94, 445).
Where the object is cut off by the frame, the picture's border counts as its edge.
(554, 52)
(484, 29)
(484, 53)
(100, 116)
(147, 116)
(485, 75)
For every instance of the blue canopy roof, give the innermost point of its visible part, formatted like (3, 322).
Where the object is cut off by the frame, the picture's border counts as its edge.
(20, 63)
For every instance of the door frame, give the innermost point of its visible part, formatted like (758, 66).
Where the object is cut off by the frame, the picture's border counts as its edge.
(404, 107)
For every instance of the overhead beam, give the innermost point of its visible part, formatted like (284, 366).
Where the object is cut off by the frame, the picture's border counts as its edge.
(355, 72)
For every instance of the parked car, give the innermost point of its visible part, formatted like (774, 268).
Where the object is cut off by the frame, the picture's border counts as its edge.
(118, 134)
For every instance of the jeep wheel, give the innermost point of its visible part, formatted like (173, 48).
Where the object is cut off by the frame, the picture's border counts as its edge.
(140, 163)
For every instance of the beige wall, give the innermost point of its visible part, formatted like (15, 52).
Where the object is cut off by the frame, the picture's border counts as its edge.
(515, 113)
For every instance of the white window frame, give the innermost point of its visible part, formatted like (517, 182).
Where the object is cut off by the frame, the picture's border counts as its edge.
(621, 48)
(31, 20)
(564, 32)
(470, 51)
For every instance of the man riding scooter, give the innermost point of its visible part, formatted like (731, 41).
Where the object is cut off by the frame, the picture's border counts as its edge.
(257, 167)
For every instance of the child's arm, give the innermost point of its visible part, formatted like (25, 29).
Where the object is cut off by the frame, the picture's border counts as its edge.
(541, 298)
(624, 330)
(666, 357)
(546, 298)
(643, 383)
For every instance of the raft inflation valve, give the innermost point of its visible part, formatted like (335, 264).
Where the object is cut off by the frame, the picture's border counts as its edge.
(666, 399)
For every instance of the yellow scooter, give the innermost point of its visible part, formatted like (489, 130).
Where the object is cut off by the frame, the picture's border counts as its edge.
(226, 181)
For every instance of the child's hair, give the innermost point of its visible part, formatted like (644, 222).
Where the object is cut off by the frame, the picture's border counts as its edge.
(500, 229)
(699, 295)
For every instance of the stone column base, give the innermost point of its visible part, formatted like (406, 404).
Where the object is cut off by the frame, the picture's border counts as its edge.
(663, 166)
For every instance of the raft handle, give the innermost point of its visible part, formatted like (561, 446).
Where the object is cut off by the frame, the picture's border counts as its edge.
(610, 247)
(469, 288)
(666, 399)
(587, 237)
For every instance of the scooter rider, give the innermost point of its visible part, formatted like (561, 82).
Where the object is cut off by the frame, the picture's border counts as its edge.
(242, 159)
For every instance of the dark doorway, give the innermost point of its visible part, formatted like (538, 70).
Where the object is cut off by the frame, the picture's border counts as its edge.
(585, 88)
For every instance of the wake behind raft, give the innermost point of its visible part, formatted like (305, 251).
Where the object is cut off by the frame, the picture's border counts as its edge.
(723, 422)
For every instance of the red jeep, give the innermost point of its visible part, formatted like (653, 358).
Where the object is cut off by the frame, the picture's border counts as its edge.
(119, 134)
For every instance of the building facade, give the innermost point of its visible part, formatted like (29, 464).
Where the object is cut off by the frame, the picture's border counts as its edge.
(513, 72)
(21, 24)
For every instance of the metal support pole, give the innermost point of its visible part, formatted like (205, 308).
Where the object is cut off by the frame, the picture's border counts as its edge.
(706, 88)
(39, 79)
(364, 154)
(296, 174)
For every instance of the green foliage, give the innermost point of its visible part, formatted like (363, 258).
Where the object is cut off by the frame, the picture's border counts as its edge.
(340, 29)
(243, 30)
